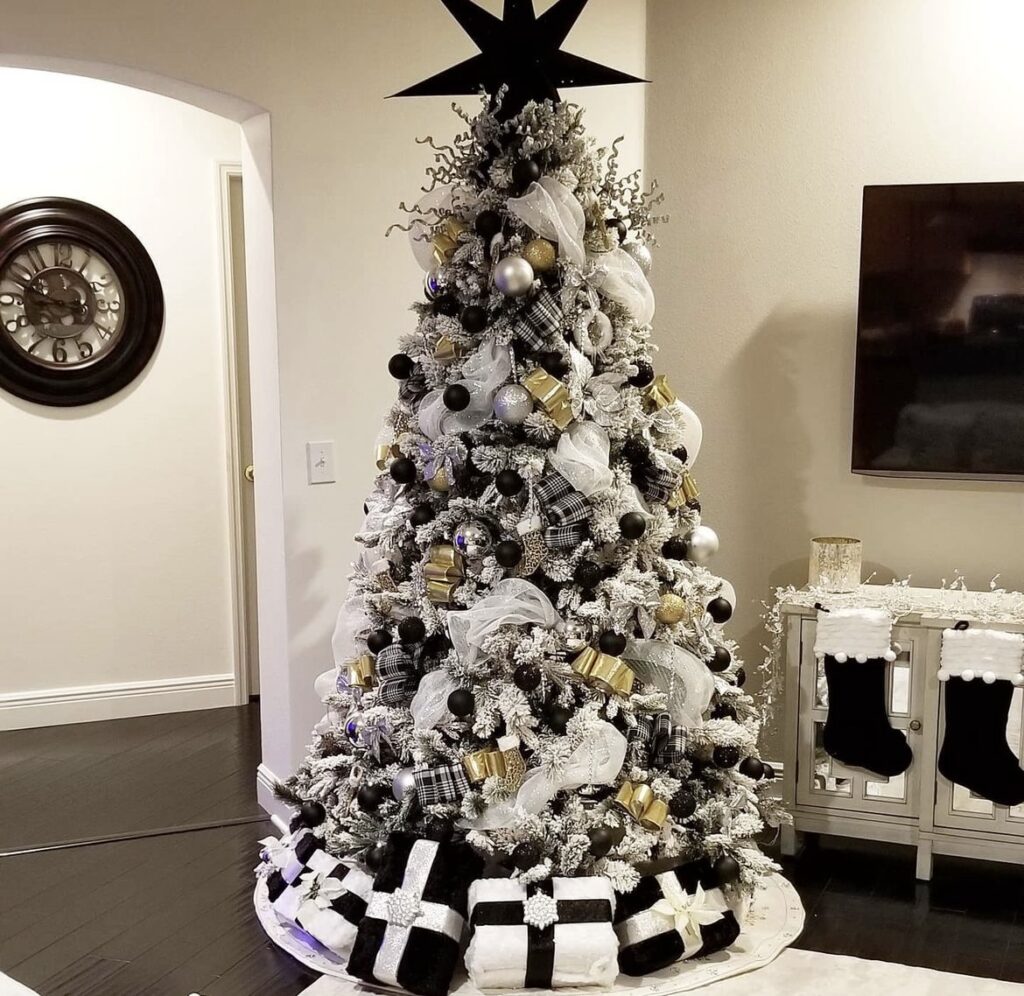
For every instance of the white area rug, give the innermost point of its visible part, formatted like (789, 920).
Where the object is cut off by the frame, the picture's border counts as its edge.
(8, 987)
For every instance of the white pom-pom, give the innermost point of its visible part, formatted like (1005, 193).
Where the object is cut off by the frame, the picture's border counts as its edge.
(1017, 680)
(967, 674)
(861, 658)
(890, 655)
(943, 674)
(988, 677)
(841, 658)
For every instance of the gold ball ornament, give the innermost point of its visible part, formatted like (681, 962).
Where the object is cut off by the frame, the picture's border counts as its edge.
(671, 609)
(541, 255)
(440, 482)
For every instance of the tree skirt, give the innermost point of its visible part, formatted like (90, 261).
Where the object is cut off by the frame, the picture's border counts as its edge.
(772, 922)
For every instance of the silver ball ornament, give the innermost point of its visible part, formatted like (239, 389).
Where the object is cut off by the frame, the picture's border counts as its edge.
(512, 404)
(641, 254)
(513, 276)
(473, 539)
(403, 784)
(701, 544)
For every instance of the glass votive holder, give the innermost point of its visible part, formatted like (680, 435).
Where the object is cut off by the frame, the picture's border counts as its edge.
(836, 563)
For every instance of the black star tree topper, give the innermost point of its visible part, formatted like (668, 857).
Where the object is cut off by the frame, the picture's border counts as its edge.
(521, 51)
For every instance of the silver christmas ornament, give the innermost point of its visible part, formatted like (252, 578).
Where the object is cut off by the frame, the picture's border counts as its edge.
(431, 285)
(403, 783)
(701, 544)
(513, 276)
(473, 539)
(512, 404)
(641, 254)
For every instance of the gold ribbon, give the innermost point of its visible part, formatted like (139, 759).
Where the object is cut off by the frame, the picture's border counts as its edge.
(609, 674)
(688, 492)
(385, 453)
(551, 394)
(447, 351)
(443, 572)
(642, 804)
(446, 241)
(484, 764)
(360, 672)
(658, 394)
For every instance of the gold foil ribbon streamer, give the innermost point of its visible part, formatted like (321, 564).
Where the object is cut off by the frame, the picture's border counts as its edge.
(609, 674)
(484, 764)
(688, 492)
(360, 672)
(551, 394)
(447, 351)
(658, 394)
(385, 453)
(443, 572)
(641, 803)
(446, 241)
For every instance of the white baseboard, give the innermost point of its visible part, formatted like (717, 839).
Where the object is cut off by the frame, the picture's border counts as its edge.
(278, 811)
(88, 703)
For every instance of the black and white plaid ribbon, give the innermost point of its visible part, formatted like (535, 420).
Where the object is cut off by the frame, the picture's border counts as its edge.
(551, 488)
(440, 783)
(654, 740)
(396, 675)
(657, 483)
(539, 321)
(566, 511)
(565, 537)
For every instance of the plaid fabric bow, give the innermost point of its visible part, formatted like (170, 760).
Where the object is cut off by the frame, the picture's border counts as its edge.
(657, 484)
(567, 511)
(440, 783)
(540, 320)
(566, 537)
(396, 676)
(654, 740)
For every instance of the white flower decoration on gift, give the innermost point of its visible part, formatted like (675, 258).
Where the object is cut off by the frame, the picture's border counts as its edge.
(403, 908)
(275, 852)
(540, 910)
(320, 889)
(688, 913)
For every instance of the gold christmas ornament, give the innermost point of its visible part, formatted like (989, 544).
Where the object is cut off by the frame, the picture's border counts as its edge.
(605, 672)
(443, 573)
(687, 494)
(446, 240)
(551, 394)
(484, 764)
(541, 255)
(386, 452)
(642, 804)
(440, 482)
(360, 672)
(671, 609)
(658, 394)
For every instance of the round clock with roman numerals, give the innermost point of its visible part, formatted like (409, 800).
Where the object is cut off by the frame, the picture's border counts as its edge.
(81, 307)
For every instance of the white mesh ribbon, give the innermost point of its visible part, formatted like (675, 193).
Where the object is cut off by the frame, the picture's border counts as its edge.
(553, 212)
(685, 679)
(618, 277)
(582, 458)
(429, 705)
(352, 620)
(514, 602)
(429, 210)
(482, 374)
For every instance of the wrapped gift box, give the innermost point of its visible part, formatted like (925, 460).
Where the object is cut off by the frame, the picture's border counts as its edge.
(545, 935)
(673, 916)
(317, 892)
(415, 915)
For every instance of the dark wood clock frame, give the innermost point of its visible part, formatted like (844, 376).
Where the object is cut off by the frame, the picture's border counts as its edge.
(63, 219)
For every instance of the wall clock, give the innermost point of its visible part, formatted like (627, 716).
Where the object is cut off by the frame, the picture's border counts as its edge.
(81, 307)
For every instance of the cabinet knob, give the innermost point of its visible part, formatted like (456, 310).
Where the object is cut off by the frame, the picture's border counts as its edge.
(915, 725)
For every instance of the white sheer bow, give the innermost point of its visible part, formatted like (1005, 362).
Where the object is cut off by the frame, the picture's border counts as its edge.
(582, 458)
(618, 277)
(554, 213)
(429, 705)
(483, 373)
(682, 676)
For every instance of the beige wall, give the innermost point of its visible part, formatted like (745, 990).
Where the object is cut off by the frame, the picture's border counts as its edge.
(114, 558)
(765, 122)
(343, 158)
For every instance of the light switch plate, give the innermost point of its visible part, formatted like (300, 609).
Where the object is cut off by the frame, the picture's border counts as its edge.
(320, 462)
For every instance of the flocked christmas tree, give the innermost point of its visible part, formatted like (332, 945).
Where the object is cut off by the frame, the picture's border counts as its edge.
(531, 658)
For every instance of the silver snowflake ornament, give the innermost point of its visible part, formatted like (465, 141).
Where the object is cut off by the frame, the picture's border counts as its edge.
(403, 908)
(540, 910)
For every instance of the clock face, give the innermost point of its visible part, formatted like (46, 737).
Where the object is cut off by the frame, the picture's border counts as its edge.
(61, 303)
(81, 307)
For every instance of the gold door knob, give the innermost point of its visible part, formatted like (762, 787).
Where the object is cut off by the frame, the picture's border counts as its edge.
(250, 473)
(915, 725)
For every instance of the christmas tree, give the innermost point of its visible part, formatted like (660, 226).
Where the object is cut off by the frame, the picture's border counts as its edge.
(531, 659)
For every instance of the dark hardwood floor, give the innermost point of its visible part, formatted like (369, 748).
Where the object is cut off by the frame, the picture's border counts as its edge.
(127, 776)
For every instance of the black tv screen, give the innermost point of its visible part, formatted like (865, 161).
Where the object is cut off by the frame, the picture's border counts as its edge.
(940, 332)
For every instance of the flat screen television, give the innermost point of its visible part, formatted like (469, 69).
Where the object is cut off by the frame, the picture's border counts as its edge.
(940, 332)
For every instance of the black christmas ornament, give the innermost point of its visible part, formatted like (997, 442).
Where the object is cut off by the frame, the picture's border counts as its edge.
(720, 660)
(378, 640)
(619, 227)
(488, 224)
(724, 710)
(680, 454)
(312, 813)
(601, 841)
(461, 702)
(525, 172)
(644, 374)
(612, 643)
(632, 525)
(436, 645)
(446, 304)
(403, 471)
(421, 515)
(587, 574)
(553, 363)
(558, 718)
(769, 772)
(370, 797)
(674, 548)
(296, 823)
(401, 366)
(411, 630)
(527, 677)
(752, 768)
(726, 757)
(720, 609)
(740, 677)
(636, 451)
(526, 855)
(474, 319)
(726, 869)
(521, 51)
(508, 482)
(456, 397)
(508, 553)
(374, 857)
(683, 804)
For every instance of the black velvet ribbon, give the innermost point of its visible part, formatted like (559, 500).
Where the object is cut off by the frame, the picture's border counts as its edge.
(540, 951)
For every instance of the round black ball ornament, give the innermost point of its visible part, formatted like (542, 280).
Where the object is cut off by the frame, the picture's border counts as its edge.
(601, 841)
(726, 757)
(411, 630)
(720, 660)
(720, 609)
(558, 718)
(741, 677)
(752, 768)
(644, 374)
(632, 525)
(312, 813)
(526, 855)
(726, 870)
(619, 227)
(474, 319)
(403, 471)
(446, 304)
(461, 702)
(587, 574)
(683, 804)
(488, 224)
(612, 643)
(636, 451)
(370, 797)
(508, 553)
(401, 366)
(374, 857)
(378, 640)
(508, 482)
(456, 397)
(554, 363)
(527, 677)
(674, 548)
(421, 515)
(525, 172)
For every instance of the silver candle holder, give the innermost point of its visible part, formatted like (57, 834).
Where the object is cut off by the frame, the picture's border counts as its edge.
(836, 563)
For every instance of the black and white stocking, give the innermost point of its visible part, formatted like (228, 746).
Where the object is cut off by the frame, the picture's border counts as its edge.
(856, 647)
(980, 669)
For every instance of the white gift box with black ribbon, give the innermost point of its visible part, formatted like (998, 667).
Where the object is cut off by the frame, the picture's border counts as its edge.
(319, 893)
(545, 935)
